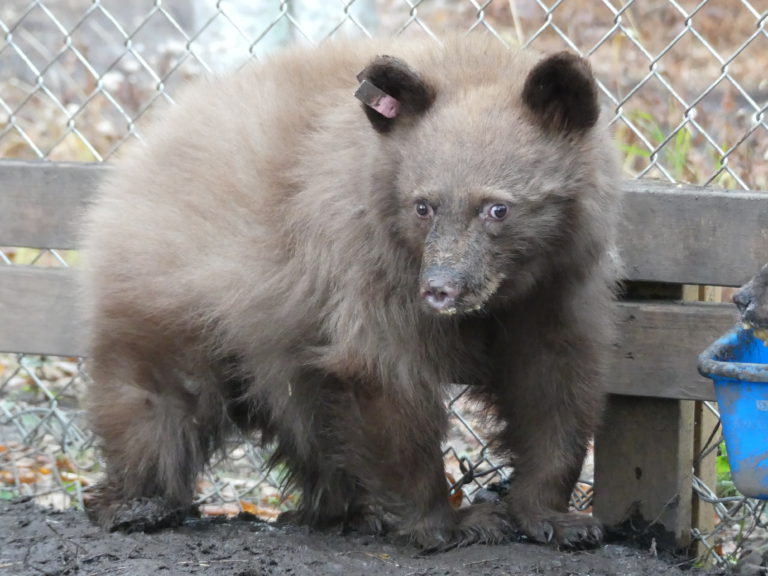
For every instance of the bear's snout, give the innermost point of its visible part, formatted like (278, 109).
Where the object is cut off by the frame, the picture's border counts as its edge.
(439, 289)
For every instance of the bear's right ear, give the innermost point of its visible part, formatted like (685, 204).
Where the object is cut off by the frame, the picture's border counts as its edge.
(391, 91)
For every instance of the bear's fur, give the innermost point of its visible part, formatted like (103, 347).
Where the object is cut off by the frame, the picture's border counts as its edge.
(282, 258)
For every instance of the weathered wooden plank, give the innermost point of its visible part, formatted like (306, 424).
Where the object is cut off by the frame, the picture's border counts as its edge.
(658, 345)
(675, 234)
(654, 356)
(38, 311)
(41, 202)
(692, 235)
(635, 479)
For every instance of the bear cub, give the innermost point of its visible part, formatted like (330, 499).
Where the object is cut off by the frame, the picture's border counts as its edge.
(283, 259)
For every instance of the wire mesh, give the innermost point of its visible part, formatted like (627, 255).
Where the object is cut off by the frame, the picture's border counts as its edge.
(684, 80)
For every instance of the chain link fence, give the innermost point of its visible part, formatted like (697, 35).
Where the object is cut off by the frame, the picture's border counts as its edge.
(684, 80)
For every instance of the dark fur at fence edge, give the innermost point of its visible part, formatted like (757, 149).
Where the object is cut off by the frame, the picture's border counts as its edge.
(752, 301)
(275, 260)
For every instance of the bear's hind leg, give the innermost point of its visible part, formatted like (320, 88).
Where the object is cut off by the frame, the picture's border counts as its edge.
(155, 437)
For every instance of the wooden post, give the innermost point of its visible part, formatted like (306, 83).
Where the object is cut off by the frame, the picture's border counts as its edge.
(703, 513)
(643, 466)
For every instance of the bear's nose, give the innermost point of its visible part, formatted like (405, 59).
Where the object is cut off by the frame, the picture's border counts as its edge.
(439, 292)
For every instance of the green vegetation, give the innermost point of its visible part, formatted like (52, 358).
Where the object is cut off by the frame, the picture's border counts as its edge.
(673, 152)
(725, 485)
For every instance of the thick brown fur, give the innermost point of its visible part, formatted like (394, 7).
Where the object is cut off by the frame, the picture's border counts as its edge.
(261, 265)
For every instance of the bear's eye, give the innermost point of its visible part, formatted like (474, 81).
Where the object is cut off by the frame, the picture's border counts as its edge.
(497, 212)
(423, 210)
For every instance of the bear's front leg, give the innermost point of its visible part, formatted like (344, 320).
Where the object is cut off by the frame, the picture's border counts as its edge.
(392, 444)
(548, 397)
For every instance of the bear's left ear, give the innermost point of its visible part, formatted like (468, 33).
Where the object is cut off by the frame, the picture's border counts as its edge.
(391, 91)
(561, 94)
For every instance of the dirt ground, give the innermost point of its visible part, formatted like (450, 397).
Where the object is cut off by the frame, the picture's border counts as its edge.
(35, 541)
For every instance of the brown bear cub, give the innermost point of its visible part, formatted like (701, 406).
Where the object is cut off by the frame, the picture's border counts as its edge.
(281, 258)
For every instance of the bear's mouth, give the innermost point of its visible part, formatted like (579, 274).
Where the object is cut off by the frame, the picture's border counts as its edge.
(467, 303)
(447, 293)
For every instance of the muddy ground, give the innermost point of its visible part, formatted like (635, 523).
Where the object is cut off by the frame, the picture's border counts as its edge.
(35, 541)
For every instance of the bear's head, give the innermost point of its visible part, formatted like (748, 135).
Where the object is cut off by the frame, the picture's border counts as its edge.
(495, 175)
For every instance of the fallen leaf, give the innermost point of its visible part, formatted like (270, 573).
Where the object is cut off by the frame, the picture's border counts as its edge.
(247, 507)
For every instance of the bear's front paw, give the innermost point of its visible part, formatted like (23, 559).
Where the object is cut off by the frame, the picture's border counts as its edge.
(566, 529)
(486, 523)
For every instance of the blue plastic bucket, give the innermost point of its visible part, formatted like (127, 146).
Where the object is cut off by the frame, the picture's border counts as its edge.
(738, 365)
